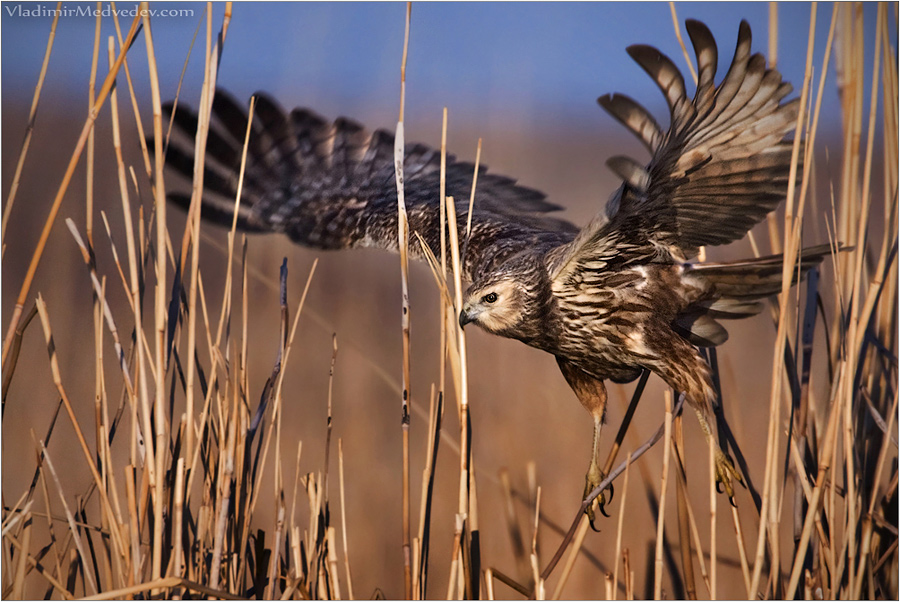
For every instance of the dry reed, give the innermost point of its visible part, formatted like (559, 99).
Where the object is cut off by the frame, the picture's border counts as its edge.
(197, 505)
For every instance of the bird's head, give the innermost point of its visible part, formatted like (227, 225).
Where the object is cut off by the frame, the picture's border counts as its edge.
(497, 303)
(513, 300)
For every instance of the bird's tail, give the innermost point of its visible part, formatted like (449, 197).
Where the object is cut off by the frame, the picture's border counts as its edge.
(752, 279)
(740, 288)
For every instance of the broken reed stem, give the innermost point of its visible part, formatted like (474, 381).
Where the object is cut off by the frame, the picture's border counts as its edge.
(403, 247)
(330, 420)
(279, 383)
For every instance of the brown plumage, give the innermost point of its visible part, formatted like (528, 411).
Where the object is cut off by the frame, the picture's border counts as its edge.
(609, 300)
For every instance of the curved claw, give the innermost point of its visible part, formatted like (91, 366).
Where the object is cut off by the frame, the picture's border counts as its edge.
(726, 474)
(592, 517)
(603, 510)
(600, 502)
(731, 501)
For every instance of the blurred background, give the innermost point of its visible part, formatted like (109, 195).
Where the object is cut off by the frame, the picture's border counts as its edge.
(524, 77)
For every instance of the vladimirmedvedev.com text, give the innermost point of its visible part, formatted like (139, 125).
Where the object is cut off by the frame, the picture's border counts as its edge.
(91, 10)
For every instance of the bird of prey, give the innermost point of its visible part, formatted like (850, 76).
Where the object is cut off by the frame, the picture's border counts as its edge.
(609, 300)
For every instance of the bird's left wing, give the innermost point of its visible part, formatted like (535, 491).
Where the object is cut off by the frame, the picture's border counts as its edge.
(331, 185)
(723, 164)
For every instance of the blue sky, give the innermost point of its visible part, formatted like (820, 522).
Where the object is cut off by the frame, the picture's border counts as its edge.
(538, 62)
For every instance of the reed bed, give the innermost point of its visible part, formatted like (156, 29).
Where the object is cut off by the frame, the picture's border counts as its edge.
(190, 490)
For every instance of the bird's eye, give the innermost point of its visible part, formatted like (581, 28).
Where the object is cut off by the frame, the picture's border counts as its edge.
(490, 298)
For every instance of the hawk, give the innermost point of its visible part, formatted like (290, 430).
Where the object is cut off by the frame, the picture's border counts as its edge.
(609, 300)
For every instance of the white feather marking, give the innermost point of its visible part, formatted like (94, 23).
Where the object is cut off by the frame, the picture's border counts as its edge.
(634, 341)
(643, 282)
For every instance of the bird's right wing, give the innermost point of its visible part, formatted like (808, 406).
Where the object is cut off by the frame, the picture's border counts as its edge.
(723, 164)
(331, 185)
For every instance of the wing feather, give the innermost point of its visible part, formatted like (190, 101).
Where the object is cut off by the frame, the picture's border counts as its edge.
(331, 185)
(723, 164)
(707, 62)
(635, 118)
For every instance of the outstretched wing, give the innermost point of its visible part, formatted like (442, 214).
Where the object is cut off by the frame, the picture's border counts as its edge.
(721, 167)
(331, 185)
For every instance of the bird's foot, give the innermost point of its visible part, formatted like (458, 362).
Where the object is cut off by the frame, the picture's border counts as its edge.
(593, 478)
(726, 473)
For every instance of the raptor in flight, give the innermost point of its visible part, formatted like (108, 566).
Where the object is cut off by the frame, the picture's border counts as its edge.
(607, 300)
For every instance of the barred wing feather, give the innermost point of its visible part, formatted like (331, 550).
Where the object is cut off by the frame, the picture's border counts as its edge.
(331, 185)
(722, 165)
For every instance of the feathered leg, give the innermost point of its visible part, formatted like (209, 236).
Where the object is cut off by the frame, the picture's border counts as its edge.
(592, 395)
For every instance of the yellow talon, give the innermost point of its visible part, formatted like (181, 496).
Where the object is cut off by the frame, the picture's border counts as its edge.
(725, 473)
(591, 481)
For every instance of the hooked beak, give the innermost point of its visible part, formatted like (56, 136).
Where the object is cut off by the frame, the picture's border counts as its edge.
(465, 318)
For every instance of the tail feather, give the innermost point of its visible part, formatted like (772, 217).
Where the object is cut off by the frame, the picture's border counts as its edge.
(733, 309)
(739, 288)
(752, 279)
(700, 329)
